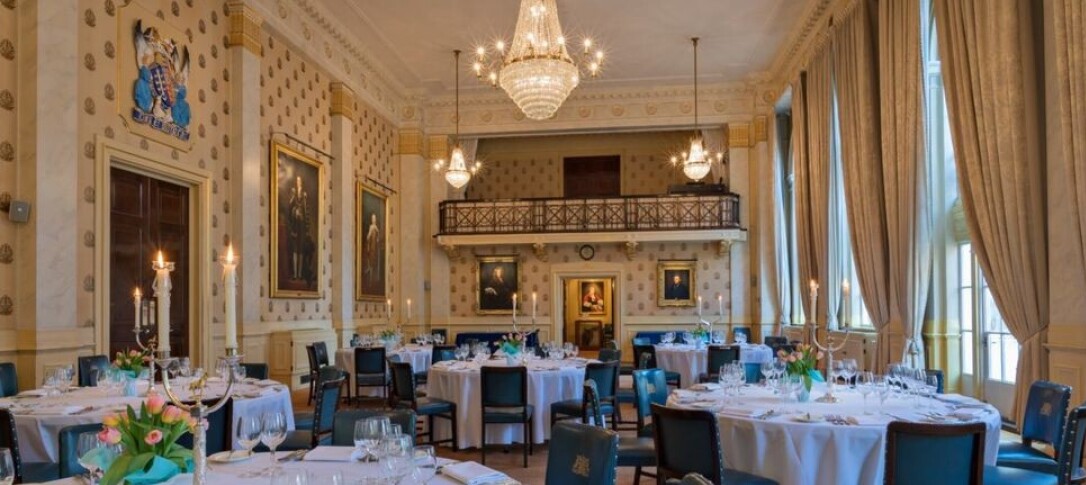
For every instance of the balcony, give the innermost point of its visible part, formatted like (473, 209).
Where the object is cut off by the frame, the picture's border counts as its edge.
(606, 219)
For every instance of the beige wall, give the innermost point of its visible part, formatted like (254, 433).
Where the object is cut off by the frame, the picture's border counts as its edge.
(8, 148)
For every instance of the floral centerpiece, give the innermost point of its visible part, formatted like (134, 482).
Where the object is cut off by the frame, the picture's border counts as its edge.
(512, 344)
(131, 362)
(700, 332)
(389, 336)
(802, 362)
(149, 441)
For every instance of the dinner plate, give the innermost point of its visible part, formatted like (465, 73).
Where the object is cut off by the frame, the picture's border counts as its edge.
(230, 456)
(706, 404)
(807, 418)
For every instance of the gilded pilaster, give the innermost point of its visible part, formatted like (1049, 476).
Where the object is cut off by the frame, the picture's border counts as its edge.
(245, 27)
(761, 132)
(343, 101)
(439, 147)
(411, 142)
(739, 135)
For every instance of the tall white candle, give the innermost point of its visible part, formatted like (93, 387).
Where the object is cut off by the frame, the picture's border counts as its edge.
(514, 306)
(534, 305)
(388, 309)
(230, 291)
(814, 302)
(699, 306)
(137, 302)
(720, 303)
(162, 293)
(408, 310)
(845, 290)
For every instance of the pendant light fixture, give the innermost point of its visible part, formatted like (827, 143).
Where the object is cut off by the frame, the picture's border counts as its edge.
(458, 173)
(697, 160)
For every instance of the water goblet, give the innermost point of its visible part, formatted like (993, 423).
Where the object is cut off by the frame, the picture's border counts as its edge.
(766, 368)
(866, 385)
(248, 432)
(273, 431)
(85, 443)
(290, 477)
(7, 467)
(425, 463)
(850, 369)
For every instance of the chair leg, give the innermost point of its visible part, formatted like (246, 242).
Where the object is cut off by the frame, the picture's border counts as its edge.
(527, 440)
(637, 475)
(455, 436)
(482, 447)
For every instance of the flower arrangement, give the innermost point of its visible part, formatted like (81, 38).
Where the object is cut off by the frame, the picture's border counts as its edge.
(513, 342)
(131, 361)
(802, 362)
(149, 441)
(387, 334)
(700, 332)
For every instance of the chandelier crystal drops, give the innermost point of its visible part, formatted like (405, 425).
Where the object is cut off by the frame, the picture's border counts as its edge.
(537, 71)
(458, 173)
(697, 160)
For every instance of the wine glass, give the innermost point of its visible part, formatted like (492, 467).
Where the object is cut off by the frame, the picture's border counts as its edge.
(866, 385)
(931, 385)
(85, 443)
(399, 459)
(7, 467)
(290, 477)
(374, 429)
(248, 432)
(574, 350)
(883, 388)
(273, 431)
(766, 368)
(425, 463)
(326, 477)
(838, 371)
(850, 369)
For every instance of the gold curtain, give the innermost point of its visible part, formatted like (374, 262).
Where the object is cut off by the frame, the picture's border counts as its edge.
(993, 101)
(808, 264)
(1069, 19)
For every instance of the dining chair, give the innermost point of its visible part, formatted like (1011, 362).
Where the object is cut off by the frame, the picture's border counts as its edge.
(404, 395)
(718, 356)
(31, 472)
(1069, 470)
(438, 353)
(650, 387)
(304, 419)
(88, 369)
(314, 368)
(325, 406)
(774, 340)
(623, 395)
(1043, 422)
(688, 441)
(741, 330)
(645, 358)
(633, 451)
(605, 374)
(68, 448)
(9, 380)
(344, 420)
(690, 479)
(255, 370)
(505, 401)
(923, 453)
(581, 455)
(370, 370)
(220, 428)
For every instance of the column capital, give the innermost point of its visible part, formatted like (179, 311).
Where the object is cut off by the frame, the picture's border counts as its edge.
(439, 147)
(412, 142)
(245, 26)
(761, 129)
(739, 135)
(342, 101)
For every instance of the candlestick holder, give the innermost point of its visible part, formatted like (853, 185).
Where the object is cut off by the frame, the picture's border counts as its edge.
(149, 348)
(200, 409)
(829, 349)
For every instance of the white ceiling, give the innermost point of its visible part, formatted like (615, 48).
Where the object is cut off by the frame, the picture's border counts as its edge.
(647, 41)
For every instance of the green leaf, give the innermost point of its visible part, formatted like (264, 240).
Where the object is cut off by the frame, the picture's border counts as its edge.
(140, 462)
(117, 471)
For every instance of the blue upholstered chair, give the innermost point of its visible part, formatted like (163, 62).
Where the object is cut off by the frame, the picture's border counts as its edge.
(1046, 411)
(742, 330)
(370, 370)
(641, 341)
(24, 472)
(68, 448)
(89, 366)
(718, 356)
(317, 353)
(581, 455)
(404, 396)
(343, 423)
(638, 452)
(645, 358)
(774, 340)
(650, 387)
(688, 441)
(325, 405)
(605, 375)
(9, 380)
(304, 419)
(505, 401)
(1069, 464)
(934, 454)
(255, 370)
(690, 479)
(220, 428)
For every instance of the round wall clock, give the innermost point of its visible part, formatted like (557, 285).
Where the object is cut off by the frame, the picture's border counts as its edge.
(587, 252)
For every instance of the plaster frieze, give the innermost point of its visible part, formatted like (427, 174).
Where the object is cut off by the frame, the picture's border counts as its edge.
(789, 59)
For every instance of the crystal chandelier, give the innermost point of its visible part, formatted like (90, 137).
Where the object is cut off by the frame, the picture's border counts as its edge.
(537, 71)
(697, 160)
(457, 173)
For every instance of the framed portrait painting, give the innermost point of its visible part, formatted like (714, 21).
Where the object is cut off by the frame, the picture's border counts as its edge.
(589, 334)
(296, 182)
(676, 283)
(497, 284)
(593, 301)
(372, 244)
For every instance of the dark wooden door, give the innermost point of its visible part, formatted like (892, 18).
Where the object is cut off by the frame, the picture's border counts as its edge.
(592, 176)
(147, 215)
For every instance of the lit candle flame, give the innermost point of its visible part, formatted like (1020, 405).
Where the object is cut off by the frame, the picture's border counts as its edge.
(161, 260)
(230, 254)
(137, 294)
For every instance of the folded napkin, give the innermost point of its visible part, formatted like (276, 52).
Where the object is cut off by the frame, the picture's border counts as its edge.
(471, 473)
(333, 453)
(740, 412)
(266, 383)
(705, 386)
(61, 410)
(34, 393)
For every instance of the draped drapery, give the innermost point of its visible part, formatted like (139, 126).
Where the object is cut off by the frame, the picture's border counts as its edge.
(992, 96)
(909, 215)
(855, 67)
(781, 239)
(819, 152)
(807, 263)
(1069, 19)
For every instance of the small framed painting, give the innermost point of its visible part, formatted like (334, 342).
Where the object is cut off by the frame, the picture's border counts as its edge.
(589, 334)
(593, 301)
(296, 182)
(676, 283)
(372, 244)
(497, 284)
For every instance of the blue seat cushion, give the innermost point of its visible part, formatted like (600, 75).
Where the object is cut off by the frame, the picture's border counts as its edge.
(672, 376)
(625, 395)
(506, 415)
(636, 452)
(431, 405)
(370, 379)
(743, 478)
(999, 475)
(34, 472)
(1019, 455)
(303, 420)
(574, 407)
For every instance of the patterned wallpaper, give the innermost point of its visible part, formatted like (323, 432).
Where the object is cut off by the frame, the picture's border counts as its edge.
(532, 166)
(374, 138)
(8, 147)
(638, 290)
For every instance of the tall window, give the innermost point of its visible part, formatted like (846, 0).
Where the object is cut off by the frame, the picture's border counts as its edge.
(978, 311)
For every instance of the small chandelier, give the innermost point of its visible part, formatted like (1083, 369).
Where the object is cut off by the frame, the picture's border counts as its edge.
(697, 161)
(457, 174)
(537, 72)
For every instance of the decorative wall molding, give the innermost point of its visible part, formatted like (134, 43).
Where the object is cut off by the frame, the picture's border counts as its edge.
(798, 47)
(411, 142)
(739, 135)
(245, 27)
(761, 130)
(342, 101)
(439, 147)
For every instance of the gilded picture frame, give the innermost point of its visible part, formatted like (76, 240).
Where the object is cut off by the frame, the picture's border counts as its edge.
(297, 196)
(497, 281)
(676, 283)
(371, 244)
(592, 299)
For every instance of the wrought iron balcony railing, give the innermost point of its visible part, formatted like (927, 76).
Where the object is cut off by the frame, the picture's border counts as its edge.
(608, 214)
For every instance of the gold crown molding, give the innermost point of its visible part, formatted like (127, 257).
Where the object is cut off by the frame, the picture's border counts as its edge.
(411, 141)
(342, 101)
(799, 45)
(761, 132)
(498, 98)
(439, 147)
(739, 135)
(245, 27)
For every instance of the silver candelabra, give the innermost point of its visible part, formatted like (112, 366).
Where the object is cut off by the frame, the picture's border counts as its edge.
(829, 349)
(149, 348)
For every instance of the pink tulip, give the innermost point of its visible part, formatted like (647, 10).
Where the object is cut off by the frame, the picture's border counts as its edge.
(791, 358)
(819, 355)
(155, 403)
(111, 420)
(172, 414)
(109, 435)
(153, 437)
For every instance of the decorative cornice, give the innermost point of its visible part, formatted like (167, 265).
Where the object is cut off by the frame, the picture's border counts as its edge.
(786, 64)
(761, 132)
(342, 101)
(739, 135)
(245, 27)
(411, 141)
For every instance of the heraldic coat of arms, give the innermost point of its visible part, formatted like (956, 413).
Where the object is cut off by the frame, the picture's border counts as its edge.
(161, 89)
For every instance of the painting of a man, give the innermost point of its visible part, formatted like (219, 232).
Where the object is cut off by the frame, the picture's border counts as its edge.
(296, 183)
(497, 284)
(372, 244)
(677, 287)
(676, 283)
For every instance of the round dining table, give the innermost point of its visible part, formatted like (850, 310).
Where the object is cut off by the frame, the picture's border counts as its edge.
(417, 355)
(549, 381)
(814, 443)
(690, 361)
(40, 414)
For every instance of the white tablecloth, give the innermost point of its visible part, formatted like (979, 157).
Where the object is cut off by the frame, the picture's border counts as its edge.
(789, 451)
(690, 362)
(258, 469)
(38, 420)
(418, 355)
(548, 382)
